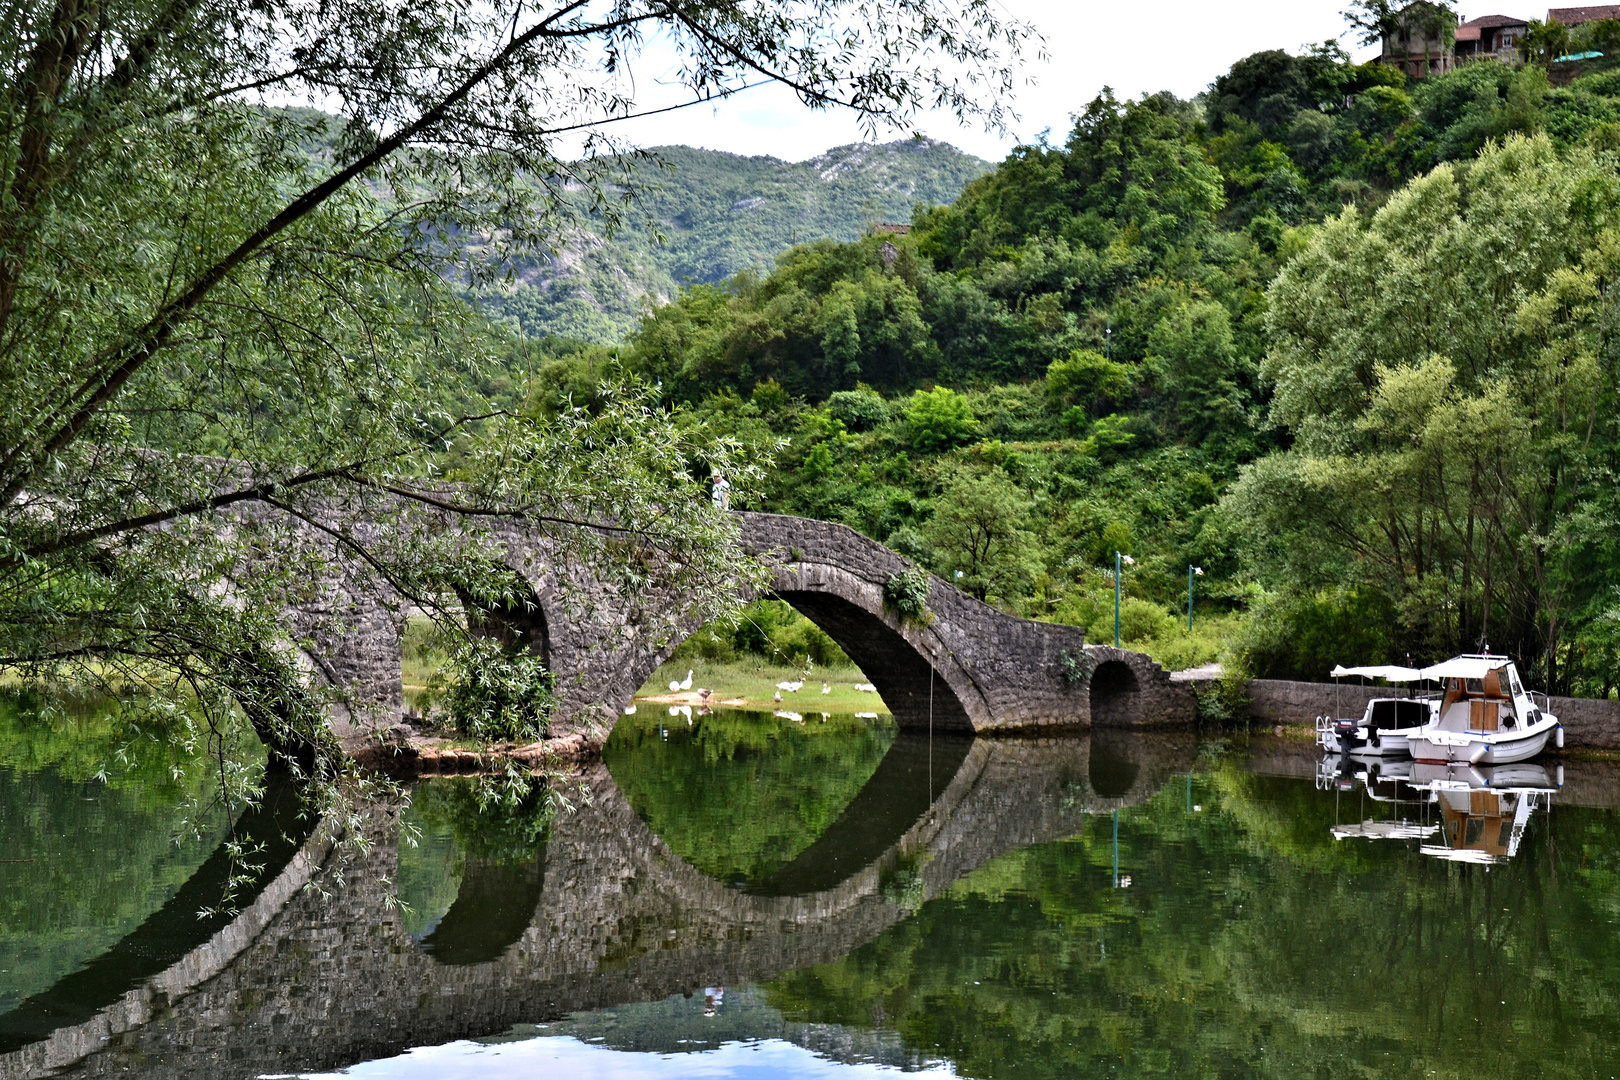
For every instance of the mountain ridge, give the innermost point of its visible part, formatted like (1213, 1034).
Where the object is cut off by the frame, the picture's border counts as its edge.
(719, 214)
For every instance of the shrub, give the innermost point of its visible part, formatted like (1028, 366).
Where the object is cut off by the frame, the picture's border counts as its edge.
(496, 695)
(861, 409)
(906, 593)
(939, 419)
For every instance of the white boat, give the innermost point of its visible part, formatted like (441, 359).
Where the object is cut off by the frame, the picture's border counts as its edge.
(1386, 725)
(1486, 717)
(1484, 809)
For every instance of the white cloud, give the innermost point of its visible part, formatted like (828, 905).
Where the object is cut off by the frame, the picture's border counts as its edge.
(1136, 48)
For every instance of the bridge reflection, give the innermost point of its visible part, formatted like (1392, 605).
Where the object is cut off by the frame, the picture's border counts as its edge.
(605, 912)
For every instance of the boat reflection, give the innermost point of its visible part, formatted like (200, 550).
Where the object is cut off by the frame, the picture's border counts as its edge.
(1453, 811)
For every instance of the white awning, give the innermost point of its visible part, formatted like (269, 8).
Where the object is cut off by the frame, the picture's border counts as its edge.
(1465, 667)
(1387, 672)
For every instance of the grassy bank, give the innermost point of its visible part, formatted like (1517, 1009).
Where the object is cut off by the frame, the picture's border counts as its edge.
(751, 683)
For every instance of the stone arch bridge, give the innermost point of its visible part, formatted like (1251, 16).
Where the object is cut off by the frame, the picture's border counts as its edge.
(972, 668)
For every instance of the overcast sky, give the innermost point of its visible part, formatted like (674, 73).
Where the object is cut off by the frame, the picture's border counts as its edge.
(1135, 47)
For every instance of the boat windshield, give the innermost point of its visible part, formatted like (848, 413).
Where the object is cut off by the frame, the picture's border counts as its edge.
(1391, 713)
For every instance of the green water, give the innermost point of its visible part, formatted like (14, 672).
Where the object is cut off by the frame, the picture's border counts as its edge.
(1180, 914)
(86, 860)
(742, 794)
(1250, 943)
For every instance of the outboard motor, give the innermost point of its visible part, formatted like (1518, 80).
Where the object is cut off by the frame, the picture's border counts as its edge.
(1346, 778)
(1345, 732)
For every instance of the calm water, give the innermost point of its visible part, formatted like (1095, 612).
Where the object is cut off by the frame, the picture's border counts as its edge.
(750, 896)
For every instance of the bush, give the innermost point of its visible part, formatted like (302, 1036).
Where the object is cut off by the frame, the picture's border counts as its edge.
(1303, 637)
(496, 695)
(861, 409)
(906, 593)
(939, 419)
(769, 629)
(1084, 377)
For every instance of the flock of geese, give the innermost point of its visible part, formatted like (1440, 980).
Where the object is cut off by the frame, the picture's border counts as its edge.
(680, 685)
(792, 687)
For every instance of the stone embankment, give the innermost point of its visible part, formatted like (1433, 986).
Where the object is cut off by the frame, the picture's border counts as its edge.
(1589, 724)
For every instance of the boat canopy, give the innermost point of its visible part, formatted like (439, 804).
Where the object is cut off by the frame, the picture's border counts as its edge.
(1465, 667)
(1387, 672)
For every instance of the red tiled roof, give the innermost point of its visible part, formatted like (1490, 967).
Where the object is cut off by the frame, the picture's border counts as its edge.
(1574, 16)
(1488, 22)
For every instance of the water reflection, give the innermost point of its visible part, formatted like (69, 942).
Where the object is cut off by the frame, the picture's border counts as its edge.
(961, 916)
(471, 868)
(1453, 811)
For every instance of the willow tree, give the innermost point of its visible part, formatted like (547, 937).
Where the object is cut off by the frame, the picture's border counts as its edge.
(1445, 370)
(219, 316)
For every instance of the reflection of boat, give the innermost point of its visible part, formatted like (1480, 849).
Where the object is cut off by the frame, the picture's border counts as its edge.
(1386, 724)
(1385, 782)
(1484, 809)
(1486, 716)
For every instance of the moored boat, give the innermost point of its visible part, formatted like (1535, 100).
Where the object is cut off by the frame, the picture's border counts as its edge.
(1386, 724)
(1485, 716)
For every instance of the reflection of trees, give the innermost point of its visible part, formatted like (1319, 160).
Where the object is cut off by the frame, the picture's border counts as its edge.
(1251, 944)
(86, 861)
(740, 794)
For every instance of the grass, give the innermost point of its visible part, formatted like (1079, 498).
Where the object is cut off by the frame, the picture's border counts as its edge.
(753, 682)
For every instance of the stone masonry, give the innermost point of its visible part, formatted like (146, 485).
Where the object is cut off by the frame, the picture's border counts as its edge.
(972, 668)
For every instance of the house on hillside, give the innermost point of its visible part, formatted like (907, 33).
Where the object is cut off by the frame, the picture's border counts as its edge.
(1489, 37)
(1420, 43)
(1576, 16)
(1425, 42)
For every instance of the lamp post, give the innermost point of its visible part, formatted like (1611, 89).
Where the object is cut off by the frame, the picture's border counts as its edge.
(1192, 571)
(1119, 561)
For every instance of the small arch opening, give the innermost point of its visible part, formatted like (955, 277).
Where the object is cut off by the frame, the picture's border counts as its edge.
(520, 623)
(1116, 696)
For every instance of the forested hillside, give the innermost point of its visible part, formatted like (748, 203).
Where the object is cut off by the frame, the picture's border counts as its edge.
(704, 216)
(1341, 340)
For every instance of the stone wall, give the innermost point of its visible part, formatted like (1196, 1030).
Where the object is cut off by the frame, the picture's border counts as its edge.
(1588, 724)
(971, 668)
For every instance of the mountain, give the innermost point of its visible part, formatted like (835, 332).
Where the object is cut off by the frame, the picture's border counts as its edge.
(720, 214)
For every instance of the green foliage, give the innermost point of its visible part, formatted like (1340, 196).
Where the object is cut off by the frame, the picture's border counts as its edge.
(906, 593)
(768, 786)
(1445, 442)
(1087, 380)
(861, 409)
(495, 693)
(939, 418)
(769, 629)
(980, 528)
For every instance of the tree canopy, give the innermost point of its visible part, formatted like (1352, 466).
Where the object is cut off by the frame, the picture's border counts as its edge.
(222, 322)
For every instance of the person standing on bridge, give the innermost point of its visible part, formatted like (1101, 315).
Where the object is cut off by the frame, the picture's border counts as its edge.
(722, 490)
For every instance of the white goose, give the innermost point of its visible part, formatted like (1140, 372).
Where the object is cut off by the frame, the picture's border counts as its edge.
(686, 685)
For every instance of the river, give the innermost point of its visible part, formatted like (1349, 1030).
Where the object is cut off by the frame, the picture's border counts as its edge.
(744, 894)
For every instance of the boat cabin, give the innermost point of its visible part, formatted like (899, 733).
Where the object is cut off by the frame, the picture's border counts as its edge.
(1482, 693)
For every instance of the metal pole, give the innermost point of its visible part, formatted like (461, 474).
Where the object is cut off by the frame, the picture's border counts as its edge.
(1116, 599)
(1189, 597)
